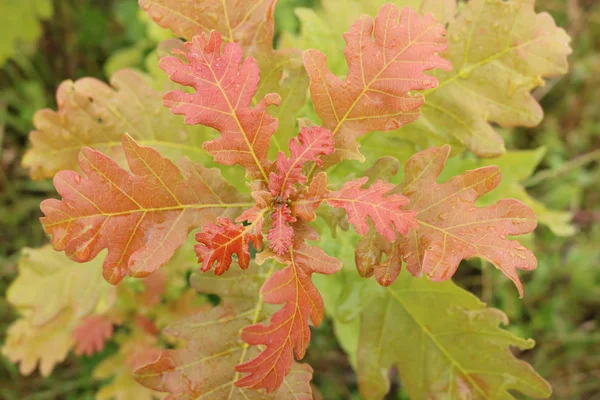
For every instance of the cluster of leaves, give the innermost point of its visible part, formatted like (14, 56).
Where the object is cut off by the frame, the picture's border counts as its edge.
(126, 196)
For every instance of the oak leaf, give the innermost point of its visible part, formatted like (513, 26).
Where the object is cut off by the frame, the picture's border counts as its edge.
(451, 228)
(141, 218)
(91, 334)
(224, 89)
(386, 60)
(500, 51)
(234, 21)
(65, 284)
(252, 25)
(386, 211)
(304, 206)
(206, 365)
(46, 344)
(219, 242)
(288, 332)
(93, 114)
(310, 145)
(443, 343)
(281, 234)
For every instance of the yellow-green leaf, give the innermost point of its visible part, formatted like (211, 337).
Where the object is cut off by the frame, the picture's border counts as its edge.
(47, 345)
(50, 282)
(500, 51)
(443, 342)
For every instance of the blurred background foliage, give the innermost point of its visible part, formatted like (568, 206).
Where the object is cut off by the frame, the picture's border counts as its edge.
(45, 42)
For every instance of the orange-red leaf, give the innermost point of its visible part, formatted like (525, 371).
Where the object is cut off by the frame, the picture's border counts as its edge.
(308, 201)
(141, 218)
(451, 228)
(219, 242)
(281, 234)
(205, 367)
(224, 87)
(288, 332)
(386, 60)
(91, 334)
(386, 212)
(311, 144)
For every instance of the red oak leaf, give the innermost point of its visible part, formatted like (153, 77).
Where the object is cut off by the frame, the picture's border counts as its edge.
(288, 332)
(224, 88)
(309, 146)
(91, 334)
(219, 242)
(308, 201)
(452, 228)
(386, 60)
(142, 217)
(281, 234)
(386, 212)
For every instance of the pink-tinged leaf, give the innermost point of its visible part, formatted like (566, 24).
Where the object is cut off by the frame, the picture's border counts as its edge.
(142, 217)
(288, 332)
(308, 201)
(91, 334)
(219, 242)
(386, 63)
(387, 212)
(452, 228)
(281, 234)
(311, 144)
(224, 87)
(237, 22)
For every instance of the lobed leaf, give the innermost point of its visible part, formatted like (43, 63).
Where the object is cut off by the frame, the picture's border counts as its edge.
(308, 200)
(46, 344)
(515, 166)
(501, 51)
(252, 25)
(443, 342)
(93, 114)
(141, 218)
(234, 21)
(281, 234)
(224, 88)
(81, 289)
(288, 333)
(451, 228)
(311, 144)
(386, 60)
(386, 212)
(219, 242)
(205, 368)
